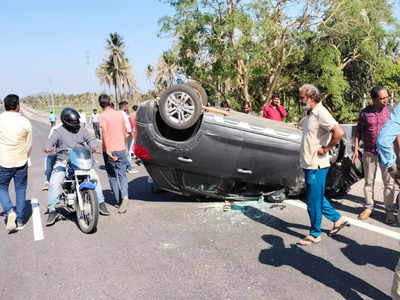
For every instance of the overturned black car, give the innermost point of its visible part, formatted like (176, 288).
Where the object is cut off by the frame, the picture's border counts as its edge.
(189, 150)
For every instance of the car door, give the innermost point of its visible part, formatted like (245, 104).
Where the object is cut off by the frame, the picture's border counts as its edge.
(269, 157)
(210, 159)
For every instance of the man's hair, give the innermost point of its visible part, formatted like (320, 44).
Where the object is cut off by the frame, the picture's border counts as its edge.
(375, 91)
(104, 101)
(122, 104)
(94, 109)
(311, 92)
(275, 96)
(11, 102)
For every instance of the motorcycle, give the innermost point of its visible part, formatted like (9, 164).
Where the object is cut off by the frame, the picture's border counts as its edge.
(78, 190)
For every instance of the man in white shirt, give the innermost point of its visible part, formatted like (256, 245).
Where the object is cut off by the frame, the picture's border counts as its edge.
(82, 118)
(123, 107)
(95, 123)
(15, 146)
(321, 133)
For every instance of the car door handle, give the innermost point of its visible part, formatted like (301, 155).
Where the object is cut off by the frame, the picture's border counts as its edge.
(185, 159)
(243, 171)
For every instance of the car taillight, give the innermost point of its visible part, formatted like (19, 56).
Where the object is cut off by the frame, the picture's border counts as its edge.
(141, 152)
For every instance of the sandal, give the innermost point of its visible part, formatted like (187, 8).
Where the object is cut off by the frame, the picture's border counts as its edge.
(336, 229)
(309, 240)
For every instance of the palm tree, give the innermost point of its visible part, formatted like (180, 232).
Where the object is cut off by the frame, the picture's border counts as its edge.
(165, 73)
(116, 69)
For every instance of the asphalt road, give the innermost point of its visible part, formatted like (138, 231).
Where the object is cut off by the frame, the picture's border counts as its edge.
(170, 247)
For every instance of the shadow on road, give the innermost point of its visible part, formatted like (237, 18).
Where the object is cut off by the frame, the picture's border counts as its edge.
(27, 211)
(140, 189)
(378, 214)
(317, 268)
(365, 254)
(274, 222)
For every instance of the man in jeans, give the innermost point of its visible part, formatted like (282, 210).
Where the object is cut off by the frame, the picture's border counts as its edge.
(112, 124)
(390, 161)
(68, 136)
(370, 122)
(95, 123)
(15, 145)
(123, 107)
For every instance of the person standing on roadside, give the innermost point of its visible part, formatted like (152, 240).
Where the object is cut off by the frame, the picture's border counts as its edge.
(389, 160)
(123, 107)
(15, 146)
(112, 124)
(95, 123)
(274, 110)
(320, 134)
(225, 105)
(370, 122)
(82, 116)
(52, 119)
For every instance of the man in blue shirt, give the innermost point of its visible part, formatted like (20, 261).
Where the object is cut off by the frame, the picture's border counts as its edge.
(387, 159)
(52, 119)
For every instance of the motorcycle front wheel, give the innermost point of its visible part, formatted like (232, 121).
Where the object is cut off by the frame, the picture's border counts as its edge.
(88, 217)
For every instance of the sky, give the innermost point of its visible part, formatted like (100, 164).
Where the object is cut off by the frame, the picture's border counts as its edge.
(56, 46)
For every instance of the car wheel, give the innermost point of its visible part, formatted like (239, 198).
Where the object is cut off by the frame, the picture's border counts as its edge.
(180, 106)
(200, 90)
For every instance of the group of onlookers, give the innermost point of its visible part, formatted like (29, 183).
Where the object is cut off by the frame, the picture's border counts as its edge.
(378, 128)
(273, 110)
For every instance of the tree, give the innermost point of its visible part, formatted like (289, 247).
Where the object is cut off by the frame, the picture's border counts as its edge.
(116, 69)
(248, 50)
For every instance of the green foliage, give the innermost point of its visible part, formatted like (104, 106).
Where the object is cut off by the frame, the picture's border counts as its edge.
(249, 50)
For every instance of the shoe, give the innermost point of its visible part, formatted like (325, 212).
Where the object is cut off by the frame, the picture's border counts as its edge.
(365, 214)
(103, 209)
(20, 225)
(123, 207)
(389, 218)
(52, 218)
(11, 221)
(45, 186)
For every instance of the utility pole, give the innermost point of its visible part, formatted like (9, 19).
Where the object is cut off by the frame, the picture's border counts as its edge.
(87, 56)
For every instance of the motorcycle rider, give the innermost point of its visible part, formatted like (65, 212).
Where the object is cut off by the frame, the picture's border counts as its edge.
(68, 136)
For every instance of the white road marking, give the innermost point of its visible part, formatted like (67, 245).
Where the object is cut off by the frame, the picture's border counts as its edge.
(389, 233)
(37, 222)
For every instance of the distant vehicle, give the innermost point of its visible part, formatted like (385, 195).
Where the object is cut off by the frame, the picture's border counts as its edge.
(190, 151)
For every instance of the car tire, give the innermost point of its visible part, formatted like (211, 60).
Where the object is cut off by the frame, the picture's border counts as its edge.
(180, 106)
(200, 90)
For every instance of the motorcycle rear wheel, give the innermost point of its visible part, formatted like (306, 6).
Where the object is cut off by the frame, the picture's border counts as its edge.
(88, 217)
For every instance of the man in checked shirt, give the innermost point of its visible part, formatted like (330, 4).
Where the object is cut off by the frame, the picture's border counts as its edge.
(370, 122)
